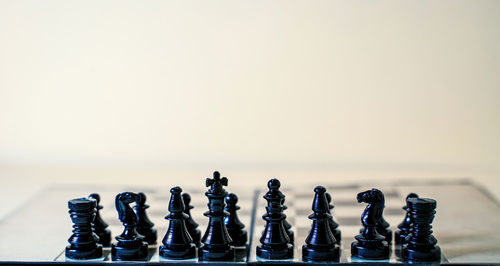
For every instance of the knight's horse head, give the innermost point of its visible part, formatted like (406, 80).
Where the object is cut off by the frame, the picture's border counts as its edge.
(125, 212)
(370, 196)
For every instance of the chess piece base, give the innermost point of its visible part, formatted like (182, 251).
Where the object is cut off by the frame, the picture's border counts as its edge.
(427, 255)
(270, 254)
(136, 250)
(207, 254)
(84, 253)
(370, 250)
(316, 254)
(181, 253)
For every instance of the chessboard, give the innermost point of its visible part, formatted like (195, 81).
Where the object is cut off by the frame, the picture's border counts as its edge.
(466, 222)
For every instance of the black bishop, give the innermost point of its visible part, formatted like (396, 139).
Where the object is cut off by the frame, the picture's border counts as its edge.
(177, 243)
(320, 243)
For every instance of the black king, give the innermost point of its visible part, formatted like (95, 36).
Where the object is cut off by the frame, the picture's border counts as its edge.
(216, 244)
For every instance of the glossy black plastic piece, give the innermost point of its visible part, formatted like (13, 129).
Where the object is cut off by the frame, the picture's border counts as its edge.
(288, 226)
(334, 226)
(83, 242)
(130, 245)
(405, 225)
(233, 224)
(216, 242)
(177, 243)
(275, 243)
(421, 245)
(369, 243)
(144, 225)
(320, 243)
(191, 225)
(101, 227)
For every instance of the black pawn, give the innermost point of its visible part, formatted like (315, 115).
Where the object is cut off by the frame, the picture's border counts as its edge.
(320, 243)
(100, 227)
(383, 229)
(83, 241)
(216, 242)
(421, 245)
(370, 244)
(233, 224)
(275, 243)
(130, 245)
(177, 243)
(405, 225)
(288, 226)
(333, 225)
(191, 225)
(144, 225)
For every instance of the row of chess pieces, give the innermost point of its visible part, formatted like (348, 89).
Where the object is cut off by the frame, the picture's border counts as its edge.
(225, 234)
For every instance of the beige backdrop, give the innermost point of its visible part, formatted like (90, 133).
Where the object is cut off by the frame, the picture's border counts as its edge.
(335, 88)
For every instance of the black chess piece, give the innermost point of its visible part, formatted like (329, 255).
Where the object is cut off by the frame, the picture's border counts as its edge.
(320, 243)
(275, 243)
(288, 226)
(144, 225)
(421, 245)
(130, 245)
(405, 225)
(370, 244)
(83, 241)
(233, 224)
(383, 229)
(191, 225)
(334, 226)
(177, 243)
(216, 242)
(100, 227)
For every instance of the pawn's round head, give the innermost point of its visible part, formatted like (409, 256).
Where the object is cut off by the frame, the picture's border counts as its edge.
(411, 196)
(186, 198)
(231, 199)
(328, 197)
(142, 198)
(273, 184)
(175, 190)
(320, 189)
(96, 197)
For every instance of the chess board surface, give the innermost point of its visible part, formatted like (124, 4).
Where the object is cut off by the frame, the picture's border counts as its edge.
(466, 223)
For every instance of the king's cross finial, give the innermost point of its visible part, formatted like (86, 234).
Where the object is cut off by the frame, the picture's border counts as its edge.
(216, 183)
